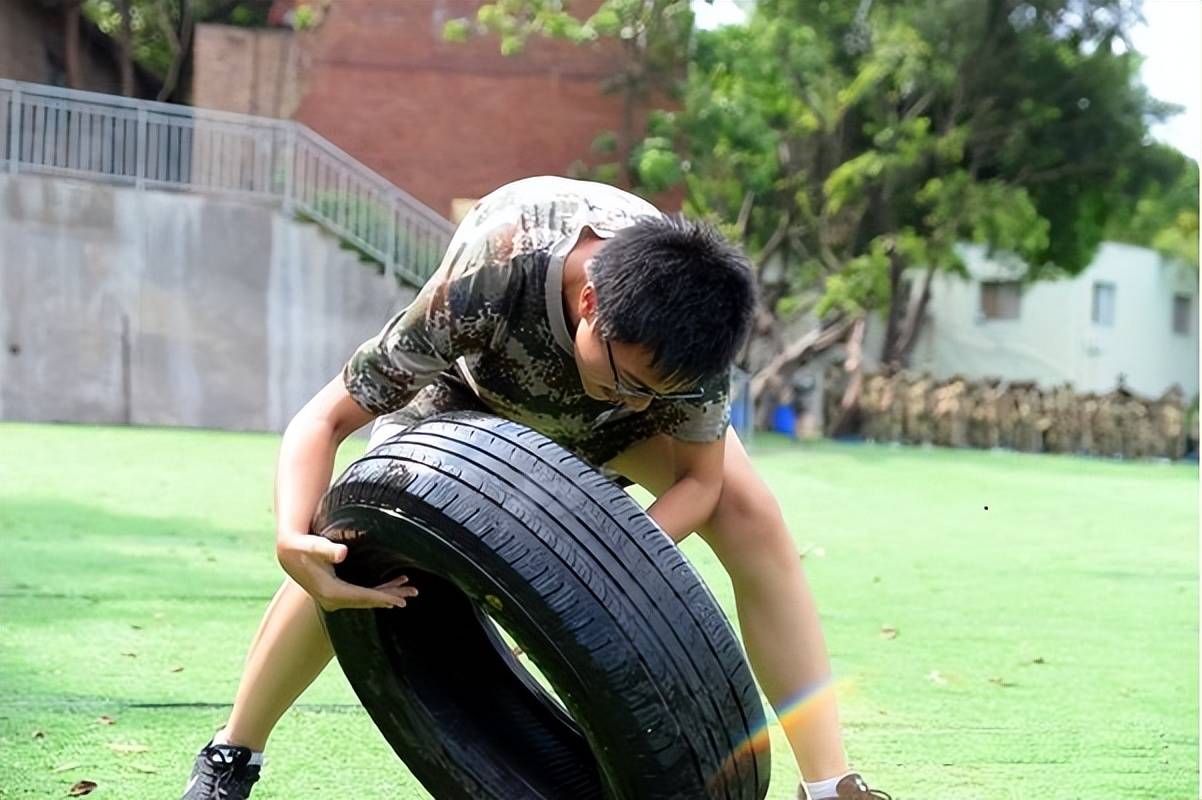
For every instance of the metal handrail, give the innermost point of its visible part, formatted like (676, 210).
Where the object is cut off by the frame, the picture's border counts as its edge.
(146, 144)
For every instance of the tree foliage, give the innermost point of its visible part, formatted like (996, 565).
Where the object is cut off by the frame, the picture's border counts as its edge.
(871, 143)
(1158, 203)
(160, 31)
(848, 144)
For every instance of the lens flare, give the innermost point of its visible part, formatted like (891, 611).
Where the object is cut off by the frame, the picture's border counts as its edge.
(789, 714)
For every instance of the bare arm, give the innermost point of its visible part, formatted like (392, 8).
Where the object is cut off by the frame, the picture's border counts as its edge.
(691, 500)
(307, 454)
(303, 474)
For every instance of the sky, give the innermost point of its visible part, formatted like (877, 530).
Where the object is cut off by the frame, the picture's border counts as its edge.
(1169, 41)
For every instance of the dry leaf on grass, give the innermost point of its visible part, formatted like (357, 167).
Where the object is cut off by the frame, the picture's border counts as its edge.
(39, 735)
(888, 632)
(105, 719)
(996, 681)
(121, 747)
(144, 769)
(177, 669)
(81, 788)
(934, 677)
(130, 655)
(66, 767)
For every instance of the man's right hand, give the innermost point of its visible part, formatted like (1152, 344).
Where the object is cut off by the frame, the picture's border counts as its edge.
(309, 560)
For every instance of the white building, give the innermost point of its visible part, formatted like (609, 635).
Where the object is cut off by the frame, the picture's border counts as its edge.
(1130, 313)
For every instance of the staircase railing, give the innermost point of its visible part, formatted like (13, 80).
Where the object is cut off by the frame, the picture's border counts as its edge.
(148, 145)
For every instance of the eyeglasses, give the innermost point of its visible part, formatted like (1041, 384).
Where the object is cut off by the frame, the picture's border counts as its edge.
(635, 393)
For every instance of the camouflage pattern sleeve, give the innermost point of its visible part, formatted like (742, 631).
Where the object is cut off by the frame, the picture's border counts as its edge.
(460, 312)
(701, 420)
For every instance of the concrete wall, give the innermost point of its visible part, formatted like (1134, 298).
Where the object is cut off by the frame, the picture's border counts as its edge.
(1054, 339)
(169, 309)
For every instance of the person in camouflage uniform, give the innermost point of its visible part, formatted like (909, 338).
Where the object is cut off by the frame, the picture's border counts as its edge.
(917, 419)
(1170, 424)
(1087, 413)
(1062, 432)
(1107, 436)
(1139, 435)
(901, 406)
(583, 312)
(1009, 412)
(872, 407)
(894, 403)
(1032, 420)
(982, 420)
(1191, 427)
(939, 413)
(949, 413)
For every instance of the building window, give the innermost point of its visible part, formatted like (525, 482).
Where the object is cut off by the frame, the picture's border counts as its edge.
(1103, 304)
(1182, 305)
(1000, 299)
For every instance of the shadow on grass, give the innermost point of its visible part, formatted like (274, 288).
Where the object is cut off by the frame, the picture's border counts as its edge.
(70, 549)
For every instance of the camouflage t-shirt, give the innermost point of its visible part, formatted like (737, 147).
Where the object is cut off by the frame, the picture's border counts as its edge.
(490, 328)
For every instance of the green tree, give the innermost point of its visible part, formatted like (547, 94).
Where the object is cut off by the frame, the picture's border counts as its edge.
(157, 34)
(848, 144)
(1159, 203)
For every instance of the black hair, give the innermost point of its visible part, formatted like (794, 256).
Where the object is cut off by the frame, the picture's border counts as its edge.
(679, 288)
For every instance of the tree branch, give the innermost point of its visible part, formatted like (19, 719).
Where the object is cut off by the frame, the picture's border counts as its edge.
(180, 43)
(812, 343)
(914, 320)
(773, 244)
(854, 364)
(745, 214)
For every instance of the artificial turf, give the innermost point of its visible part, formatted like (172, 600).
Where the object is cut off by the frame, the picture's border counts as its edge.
(1001, 625)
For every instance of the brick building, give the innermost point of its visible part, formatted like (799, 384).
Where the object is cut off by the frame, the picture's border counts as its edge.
(441, 120)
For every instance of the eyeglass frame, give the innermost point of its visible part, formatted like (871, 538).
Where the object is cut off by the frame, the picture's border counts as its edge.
(640, 394)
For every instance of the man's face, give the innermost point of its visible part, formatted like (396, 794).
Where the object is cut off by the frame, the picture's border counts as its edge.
(617, 372)
(597, 370)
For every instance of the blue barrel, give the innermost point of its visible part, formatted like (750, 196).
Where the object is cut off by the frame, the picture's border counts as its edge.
(784, 420)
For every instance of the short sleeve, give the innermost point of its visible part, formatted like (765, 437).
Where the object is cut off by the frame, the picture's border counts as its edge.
(701, 420)
(458, 313)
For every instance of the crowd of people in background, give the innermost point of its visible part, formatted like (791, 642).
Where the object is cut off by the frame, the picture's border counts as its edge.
(913, 408)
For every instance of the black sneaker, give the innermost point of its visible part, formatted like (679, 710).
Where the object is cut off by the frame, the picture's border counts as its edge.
(222, 772)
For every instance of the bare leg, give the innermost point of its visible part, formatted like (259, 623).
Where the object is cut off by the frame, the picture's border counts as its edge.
(784, 642)
(288, 653)
(777, 615)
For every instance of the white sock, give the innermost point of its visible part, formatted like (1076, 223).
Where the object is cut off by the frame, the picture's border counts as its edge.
(825, 790)
(256, 756)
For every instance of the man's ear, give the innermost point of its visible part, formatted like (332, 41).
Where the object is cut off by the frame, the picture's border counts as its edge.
(588, 301)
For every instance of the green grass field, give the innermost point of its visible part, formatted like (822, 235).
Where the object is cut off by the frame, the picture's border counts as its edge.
(1045, 648)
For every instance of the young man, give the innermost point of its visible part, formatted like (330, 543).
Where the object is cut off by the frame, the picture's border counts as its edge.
(583, 312)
